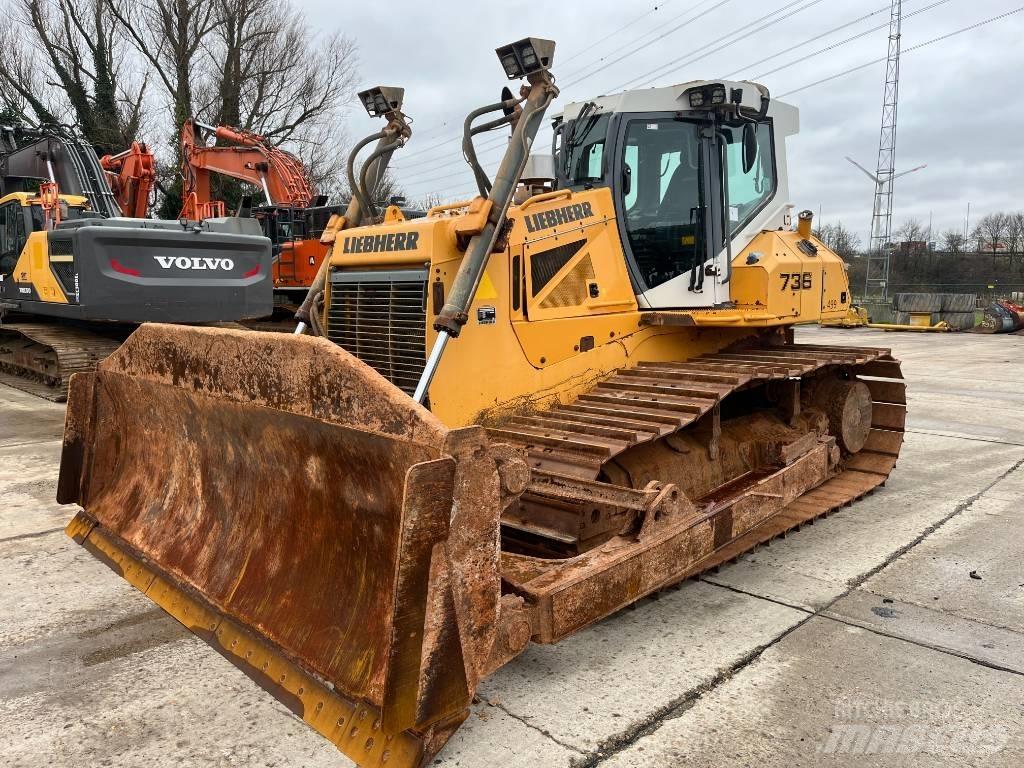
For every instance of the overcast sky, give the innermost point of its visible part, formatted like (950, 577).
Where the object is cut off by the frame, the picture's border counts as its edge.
(959, 112)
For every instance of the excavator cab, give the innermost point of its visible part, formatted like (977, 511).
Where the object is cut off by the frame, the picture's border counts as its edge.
(512, 417)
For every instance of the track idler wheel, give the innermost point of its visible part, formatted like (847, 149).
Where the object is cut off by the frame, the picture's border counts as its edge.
(847, 404)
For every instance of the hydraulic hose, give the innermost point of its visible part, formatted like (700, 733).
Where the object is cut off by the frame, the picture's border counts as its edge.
(374, 168)
(483, 184)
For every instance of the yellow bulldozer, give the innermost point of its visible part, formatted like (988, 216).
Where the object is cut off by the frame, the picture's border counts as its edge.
(513, 416)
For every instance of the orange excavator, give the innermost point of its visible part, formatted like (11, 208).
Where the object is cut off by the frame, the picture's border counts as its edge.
(293, 216)
(131, 175)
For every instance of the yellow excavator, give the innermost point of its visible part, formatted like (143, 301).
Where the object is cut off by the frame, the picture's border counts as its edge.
(514, 416)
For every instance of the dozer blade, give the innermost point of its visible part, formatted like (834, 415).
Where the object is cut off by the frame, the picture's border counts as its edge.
(296, 511)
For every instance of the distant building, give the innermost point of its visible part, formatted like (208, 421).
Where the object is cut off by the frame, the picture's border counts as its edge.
(911, 247)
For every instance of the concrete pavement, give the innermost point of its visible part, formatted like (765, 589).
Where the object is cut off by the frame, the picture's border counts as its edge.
(861, 640)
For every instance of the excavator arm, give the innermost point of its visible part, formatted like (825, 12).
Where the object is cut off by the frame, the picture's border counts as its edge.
(131, 176)
(245, 156)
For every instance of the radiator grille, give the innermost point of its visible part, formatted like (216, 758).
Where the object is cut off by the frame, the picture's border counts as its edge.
(380, 317)
(60, 246)
(65, 272)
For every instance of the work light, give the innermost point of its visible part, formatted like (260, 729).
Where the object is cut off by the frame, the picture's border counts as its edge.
(381, 100)
(526, 57)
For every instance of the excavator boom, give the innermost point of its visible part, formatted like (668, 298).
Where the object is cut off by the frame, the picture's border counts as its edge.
(248, 157)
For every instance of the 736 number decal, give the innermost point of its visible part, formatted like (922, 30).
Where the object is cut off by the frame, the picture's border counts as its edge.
(795, 281)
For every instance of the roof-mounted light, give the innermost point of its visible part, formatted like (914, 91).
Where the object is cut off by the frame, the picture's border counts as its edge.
(380, 100)
(526, 57)
(706, 96)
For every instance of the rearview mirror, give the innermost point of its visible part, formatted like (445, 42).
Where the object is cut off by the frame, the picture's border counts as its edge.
(749, 146)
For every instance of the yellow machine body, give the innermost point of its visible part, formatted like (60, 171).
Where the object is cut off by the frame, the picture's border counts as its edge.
(530, 348)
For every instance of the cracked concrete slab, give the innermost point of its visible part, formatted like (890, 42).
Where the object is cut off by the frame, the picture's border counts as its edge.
(816, 564)
(931, 626)
(831, 694)
(30, 444)
(971, 567)
(52, 585)
(625, 670)
(28, 419)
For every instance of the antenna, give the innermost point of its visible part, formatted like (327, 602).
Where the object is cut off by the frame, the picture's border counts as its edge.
(876, 282)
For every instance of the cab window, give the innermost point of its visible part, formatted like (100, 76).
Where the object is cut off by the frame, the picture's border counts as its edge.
(583, 150)
(664, 205)
(12, 235)
(750, 190)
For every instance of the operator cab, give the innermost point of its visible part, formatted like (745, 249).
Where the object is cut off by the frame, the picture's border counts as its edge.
(685, 164)
(22, 213)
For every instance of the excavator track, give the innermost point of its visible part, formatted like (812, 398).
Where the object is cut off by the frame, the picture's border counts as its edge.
(40, 358)
(573, 448)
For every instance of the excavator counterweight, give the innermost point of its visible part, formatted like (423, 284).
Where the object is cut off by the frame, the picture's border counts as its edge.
(511, 418)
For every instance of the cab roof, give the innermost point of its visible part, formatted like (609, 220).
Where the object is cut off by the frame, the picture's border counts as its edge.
(672, 98)
(27, 198)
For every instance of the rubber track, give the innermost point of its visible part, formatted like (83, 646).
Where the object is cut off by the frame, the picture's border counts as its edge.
(654, 399)
(76, 350)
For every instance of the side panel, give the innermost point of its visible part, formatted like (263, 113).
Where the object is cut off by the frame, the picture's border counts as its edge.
(790, 279)
(33, 272)
(573, 264)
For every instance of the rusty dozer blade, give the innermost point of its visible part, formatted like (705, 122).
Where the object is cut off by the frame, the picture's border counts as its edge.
(307, 519)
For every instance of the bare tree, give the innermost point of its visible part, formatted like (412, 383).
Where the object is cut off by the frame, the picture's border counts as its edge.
(254, 64)
(912, 231)
(272, 74)
(63, 61)
(169, 35)
(952, 241)
(839, 239)
(991, 232)
(1015, 233)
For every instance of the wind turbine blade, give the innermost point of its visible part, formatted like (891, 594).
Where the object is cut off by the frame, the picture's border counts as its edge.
(912, 170)
(864, 170)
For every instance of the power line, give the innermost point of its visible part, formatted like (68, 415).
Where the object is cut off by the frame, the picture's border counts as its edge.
(661, 36)
(454, 138)
(823, 80)
(835, 45)
(432, 131)
(619, 31)
(764, 22)
(434, 163)
(701, 53)
(808, 41)
(572, 73)
(867, 64)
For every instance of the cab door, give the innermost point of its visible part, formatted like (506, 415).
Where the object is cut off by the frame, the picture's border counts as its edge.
(666, 192)
(681, 191)
(12, 237)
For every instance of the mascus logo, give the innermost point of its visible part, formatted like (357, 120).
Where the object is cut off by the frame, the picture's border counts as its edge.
(194, 262)
(556, 216)
(392, 241)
